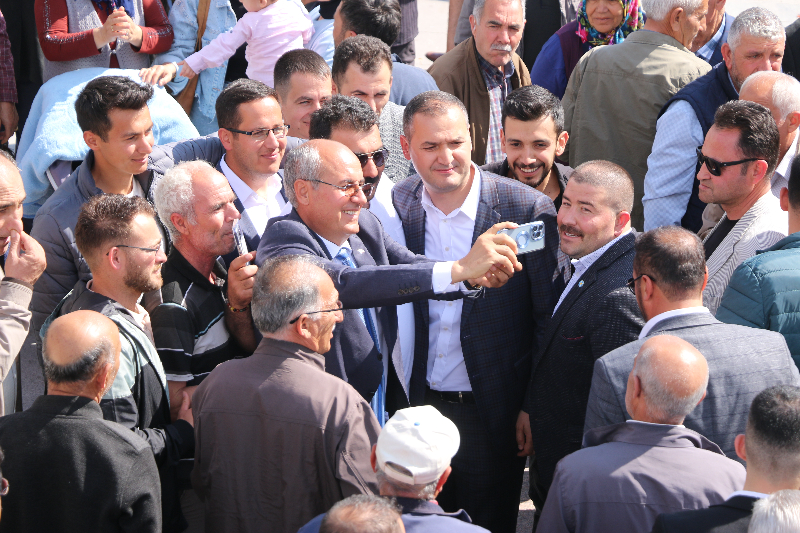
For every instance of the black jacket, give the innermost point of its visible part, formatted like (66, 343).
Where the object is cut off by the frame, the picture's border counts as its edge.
(71, 471)
(731, 516)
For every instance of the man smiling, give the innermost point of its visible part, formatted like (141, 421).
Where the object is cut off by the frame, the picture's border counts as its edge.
(532, 137)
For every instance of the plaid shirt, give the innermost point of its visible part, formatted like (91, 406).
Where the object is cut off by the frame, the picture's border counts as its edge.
(8, 85)
(707, 50)
(499, 85)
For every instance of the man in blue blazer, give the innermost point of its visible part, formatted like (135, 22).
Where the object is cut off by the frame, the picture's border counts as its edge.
(472, 358)
(325, 184)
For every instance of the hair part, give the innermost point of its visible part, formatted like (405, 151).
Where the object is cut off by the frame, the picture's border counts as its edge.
(660, 9)
(675, 258)
(362, 514)
(755, 22)
(612, 178)
(242, 91)
(376, 18)
(477, 9)
(105, 220)
(391, 487)
(104, 94)
(533, 103)
(773, 433)
(174, 193)
(431, 104)
(300, 61)
(369, 53)
(759, 137)
(81, 370)
(341, 112)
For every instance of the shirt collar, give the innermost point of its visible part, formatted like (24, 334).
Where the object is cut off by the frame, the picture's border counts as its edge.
(670, 314)
(783, 166)
(240, 188)
(470, 205)
(489, 69)
(581, 265)
(332, 248)
(707, 50)
(655, 424)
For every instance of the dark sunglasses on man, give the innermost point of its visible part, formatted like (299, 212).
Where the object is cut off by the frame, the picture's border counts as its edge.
(378, 157)
(715, 167)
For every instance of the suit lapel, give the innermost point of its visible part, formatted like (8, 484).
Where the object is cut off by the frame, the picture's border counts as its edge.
(415, 235)
(728, 245)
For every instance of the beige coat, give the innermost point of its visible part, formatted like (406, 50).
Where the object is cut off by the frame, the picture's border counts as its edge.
(613, 99)
(15, 320)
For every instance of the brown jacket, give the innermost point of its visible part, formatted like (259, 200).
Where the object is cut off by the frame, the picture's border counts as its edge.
(458, 73)
(278, 441)
(15, 320)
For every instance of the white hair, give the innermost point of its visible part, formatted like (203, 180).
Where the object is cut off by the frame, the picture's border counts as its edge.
(778, 513)
(174, 194)
(785, 90)
(659, 9)
(756, 22)
(302, 163)
(477, 10)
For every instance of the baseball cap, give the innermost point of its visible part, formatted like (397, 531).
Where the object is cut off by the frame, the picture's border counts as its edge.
(419, 439)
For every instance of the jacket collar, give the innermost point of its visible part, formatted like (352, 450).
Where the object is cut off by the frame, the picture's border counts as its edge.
(724, 78)
(744, 503)
(75, 406)
(653, 435)
(423, 507)
(787, 243)
(88, 188)
(179, 263)
(683, 321)
(654, 38)
(290, 350)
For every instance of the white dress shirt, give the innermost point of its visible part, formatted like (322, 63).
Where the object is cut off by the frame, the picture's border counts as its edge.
(780, 178)
(669, 314)
(582, 265)
(259, 210)
(447, 238)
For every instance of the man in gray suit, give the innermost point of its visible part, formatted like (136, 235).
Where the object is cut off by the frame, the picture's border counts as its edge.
(626, 474)
(669, 276)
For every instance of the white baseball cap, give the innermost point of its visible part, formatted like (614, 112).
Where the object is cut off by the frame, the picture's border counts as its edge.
(419, 439)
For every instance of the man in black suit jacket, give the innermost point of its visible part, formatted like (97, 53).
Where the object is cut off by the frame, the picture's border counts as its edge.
(596, 313)
(771, 447)
(325, 220)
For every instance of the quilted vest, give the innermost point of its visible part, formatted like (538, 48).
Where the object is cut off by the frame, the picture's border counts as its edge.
(82, 17)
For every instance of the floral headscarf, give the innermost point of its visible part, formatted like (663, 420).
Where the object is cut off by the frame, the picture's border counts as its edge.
(632, 20)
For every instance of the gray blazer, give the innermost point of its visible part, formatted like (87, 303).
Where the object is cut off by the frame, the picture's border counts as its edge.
(742, 362)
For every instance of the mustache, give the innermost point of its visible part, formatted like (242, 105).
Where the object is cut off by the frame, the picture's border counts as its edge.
(534, 166)
(570, 229)
(502, 47)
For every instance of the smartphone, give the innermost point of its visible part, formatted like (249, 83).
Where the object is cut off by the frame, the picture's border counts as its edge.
(529, 237)
(238, 237)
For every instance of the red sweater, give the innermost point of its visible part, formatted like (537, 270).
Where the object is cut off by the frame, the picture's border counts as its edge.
(58, 44)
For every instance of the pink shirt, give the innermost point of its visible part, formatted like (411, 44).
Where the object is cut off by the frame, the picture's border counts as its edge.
(269, 33)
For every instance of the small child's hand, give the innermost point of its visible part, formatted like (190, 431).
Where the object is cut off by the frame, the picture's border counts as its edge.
(186, 70)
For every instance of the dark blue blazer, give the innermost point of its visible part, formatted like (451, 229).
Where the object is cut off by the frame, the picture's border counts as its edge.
(731, 516)
(388, 275)
(499, 332)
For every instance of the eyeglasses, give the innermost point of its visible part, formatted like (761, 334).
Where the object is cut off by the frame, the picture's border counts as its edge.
(4, 487)
(632, 282)
(338, 308)
(349, 189)
(715, 167)
(378, 157)
(148, 250)
(261, 134)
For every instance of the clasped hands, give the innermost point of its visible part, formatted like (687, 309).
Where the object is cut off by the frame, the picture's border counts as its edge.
(491, 261)
(118, 25)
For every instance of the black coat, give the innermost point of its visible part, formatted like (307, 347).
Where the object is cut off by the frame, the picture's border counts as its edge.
(791, 61)
(598, 315)
(731, 516)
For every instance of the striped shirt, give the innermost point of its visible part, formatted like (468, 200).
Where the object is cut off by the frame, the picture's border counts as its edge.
(189, 326)
(498, 83)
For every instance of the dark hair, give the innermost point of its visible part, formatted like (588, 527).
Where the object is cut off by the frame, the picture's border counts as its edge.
(773, 427)
(369, 53)
(240, 92)
(794, 185)
(758, 132)
(533, 103)
(432, 104)
(610, 177)
(362, 514)
(78, 371)
(376, 18)
(341, 112)
(675, 258)
(105, 218)
(101, 95)
(300, 61)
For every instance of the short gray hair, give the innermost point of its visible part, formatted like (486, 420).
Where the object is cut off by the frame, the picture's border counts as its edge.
(477, 10)
(777, 513)
(392, 487)
(284, 290)
(302, 163)
(362, 513)
(174, 193)
(659, 9)
(658, 387)
(785, 90)
(756, 22)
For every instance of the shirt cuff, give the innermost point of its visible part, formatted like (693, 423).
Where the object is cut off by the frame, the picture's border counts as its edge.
(442, 277)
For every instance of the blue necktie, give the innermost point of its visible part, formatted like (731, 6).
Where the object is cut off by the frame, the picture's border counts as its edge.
(378, 402)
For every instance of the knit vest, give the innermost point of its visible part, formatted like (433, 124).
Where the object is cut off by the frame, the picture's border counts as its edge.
(705, 95)
(82, 17)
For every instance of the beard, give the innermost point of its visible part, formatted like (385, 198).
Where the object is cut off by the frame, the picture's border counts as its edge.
(142, 280)
(521, 177)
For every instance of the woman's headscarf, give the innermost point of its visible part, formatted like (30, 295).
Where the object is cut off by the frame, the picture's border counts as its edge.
(632, 20)
(110, 5)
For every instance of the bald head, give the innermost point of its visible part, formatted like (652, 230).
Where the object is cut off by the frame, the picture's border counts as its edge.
(78, 346)
(668, 380)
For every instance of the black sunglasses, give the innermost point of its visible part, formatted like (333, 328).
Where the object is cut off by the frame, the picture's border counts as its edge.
(378, 157)
(632, 282)
(338, 308)
(715, 167)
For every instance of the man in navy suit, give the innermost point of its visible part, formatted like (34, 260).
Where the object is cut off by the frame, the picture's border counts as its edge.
(473, 357)
(596, 313)
(325, 185)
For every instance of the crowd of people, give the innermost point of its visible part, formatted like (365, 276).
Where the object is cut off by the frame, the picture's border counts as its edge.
(286, 281)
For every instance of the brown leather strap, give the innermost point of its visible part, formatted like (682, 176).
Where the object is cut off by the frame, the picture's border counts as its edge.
(186, 96)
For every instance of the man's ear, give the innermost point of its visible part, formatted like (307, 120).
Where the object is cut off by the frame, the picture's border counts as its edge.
(623, 218)
(406, 147)
(373, 458)
(727, 55)
(784, 199)
(759, 171)
(473, 24)
(334, 88)
(92, 140)
(302, 191)
(226, 137)
(739, 444)
(794, 121)
(503, 140)
(561, 143)
(180, 223)
(675, 19)
(102, 377)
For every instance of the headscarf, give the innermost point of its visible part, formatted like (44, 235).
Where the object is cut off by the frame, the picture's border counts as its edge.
(110, 5)
(632, 20)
